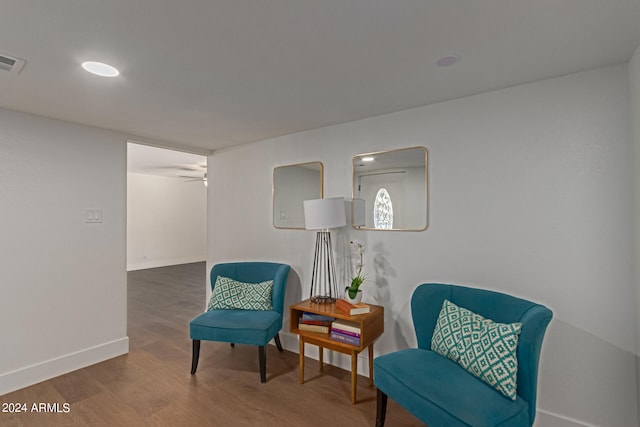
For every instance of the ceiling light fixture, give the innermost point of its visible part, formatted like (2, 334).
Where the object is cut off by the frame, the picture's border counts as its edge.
(448, 60)
(100, 69)
(367, 159)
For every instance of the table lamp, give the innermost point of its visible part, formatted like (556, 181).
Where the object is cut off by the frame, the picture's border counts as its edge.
(322, 215)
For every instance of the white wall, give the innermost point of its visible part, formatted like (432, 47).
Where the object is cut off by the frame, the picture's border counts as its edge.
(530, 194)
(166, 221)
(62, 281)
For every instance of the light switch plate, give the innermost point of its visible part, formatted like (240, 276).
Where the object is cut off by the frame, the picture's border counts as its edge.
(93, 216)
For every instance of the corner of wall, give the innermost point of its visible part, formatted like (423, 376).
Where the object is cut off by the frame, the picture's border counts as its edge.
(634, 89)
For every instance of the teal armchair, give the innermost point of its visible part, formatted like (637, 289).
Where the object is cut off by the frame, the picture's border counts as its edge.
(441, 393)
(252, 327)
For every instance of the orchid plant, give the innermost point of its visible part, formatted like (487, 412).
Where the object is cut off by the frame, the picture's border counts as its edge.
(359, 277)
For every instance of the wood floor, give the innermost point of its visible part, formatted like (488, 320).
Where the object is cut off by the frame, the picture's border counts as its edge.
(151, 386)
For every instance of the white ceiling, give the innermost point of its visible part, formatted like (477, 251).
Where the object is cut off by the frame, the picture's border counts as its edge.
(206, 74)
(147, 160)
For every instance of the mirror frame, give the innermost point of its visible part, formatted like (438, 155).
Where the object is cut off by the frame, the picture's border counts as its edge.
(426, 196)
(273, 191)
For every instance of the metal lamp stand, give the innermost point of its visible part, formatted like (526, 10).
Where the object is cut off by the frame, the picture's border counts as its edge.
(324, 289)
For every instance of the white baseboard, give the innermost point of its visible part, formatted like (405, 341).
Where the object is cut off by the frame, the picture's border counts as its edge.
(551, 419)
(164, 263)
(29, 375)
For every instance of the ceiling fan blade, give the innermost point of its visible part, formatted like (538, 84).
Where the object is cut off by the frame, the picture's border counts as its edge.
(194, 178)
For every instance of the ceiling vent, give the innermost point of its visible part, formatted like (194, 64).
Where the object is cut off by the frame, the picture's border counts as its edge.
(10, 64)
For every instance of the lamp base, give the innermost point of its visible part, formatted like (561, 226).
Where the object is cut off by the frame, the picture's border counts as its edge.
(323, 279)
(322, 300)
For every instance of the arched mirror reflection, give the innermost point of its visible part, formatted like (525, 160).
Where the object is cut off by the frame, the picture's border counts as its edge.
(292, 184)
(390, 190)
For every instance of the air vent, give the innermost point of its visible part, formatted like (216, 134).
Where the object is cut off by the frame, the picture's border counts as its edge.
(10, 64)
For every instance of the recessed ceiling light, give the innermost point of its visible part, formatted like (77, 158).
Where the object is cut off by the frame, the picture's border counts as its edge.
(100, 69)
(448, 60)
(367, 159)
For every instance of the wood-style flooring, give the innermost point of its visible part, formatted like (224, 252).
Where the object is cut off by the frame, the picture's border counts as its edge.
(152, 386)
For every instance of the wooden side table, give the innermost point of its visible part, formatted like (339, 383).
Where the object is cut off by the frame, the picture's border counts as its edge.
(371, 326)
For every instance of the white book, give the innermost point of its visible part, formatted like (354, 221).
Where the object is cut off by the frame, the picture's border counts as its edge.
(313, 328)
(346, 325)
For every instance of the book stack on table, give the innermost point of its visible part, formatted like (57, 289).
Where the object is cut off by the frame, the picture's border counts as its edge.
(345, 331)
(315, 322)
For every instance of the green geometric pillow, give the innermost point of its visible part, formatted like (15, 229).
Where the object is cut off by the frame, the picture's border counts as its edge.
(229, 294)
(483, 347)
(452, 334)
(492, 355)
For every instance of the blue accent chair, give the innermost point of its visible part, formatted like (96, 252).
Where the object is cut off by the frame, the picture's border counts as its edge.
(243, 326)
(441, 393)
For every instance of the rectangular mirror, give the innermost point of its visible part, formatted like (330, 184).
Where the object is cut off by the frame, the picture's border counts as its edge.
(291, 185)
(391, 190)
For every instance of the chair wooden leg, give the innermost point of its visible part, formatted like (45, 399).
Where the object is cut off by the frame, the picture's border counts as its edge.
(195, 357)
(278, 343)
(381, 408)
(263, 364)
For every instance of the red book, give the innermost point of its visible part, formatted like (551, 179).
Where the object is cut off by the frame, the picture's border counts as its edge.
(352, 309)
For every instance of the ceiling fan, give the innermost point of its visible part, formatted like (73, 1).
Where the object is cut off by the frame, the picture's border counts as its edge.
(195, 178)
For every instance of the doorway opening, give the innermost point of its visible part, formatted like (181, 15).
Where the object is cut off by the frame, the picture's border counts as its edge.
(166, 207)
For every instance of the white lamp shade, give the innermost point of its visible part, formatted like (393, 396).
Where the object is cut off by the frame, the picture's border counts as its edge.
(321, 214)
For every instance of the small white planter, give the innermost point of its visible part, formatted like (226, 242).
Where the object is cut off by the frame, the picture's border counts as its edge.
(355, 300)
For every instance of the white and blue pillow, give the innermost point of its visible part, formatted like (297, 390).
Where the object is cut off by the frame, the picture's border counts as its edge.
(485, 348)
(229, 294)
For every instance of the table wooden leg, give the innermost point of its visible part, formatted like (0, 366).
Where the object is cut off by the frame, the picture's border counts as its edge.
(354, 375)
(371, 364)
(321, 350)
(301, 361)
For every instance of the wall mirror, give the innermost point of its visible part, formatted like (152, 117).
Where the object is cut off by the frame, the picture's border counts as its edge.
(390, 190)
(291, 185)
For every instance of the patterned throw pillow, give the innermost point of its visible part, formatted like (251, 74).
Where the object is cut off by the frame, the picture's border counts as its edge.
(483, 347)
(229, 294)
(453, 331)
